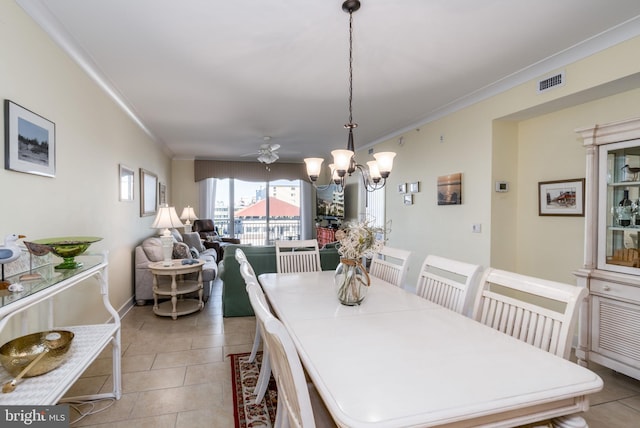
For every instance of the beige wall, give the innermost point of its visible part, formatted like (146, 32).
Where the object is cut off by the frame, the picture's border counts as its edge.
(518, 136)
(93, 136)
(549, 149)
(182, 178)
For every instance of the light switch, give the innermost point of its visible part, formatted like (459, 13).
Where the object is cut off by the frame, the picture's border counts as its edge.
(476, 228)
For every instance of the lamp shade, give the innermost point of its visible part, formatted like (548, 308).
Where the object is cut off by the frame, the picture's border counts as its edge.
(374, 172)
(342, 160)
(314, 166)
(188, 214)
(385, 162)
(166, 218)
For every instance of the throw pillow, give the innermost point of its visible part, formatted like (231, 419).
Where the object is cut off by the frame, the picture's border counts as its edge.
(195, 254)
(181, 251)
(176, 235)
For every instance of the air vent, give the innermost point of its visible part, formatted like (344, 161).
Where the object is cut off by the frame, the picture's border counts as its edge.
(551, 82)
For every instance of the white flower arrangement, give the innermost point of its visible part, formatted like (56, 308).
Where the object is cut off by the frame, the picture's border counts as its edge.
(357, 239)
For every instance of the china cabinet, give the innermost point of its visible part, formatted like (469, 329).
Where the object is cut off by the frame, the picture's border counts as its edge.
(88, 342)
(609, 332)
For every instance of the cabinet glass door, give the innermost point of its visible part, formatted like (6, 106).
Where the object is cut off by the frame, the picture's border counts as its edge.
(619, 207)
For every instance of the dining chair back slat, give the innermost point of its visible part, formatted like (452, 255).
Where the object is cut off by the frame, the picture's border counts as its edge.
(449, 283)
(539, 312)
(390, 265)
(297, 256)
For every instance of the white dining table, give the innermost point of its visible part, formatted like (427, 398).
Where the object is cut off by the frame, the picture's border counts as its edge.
(398, 360)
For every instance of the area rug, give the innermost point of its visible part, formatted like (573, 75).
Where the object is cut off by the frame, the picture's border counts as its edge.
(244, 376)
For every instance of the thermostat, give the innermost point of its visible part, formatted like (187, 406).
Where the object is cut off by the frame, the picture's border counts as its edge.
(502, 186)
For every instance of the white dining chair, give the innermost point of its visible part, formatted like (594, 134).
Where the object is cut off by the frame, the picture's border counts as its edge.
(390, 265)
(249, 276)
(299, 404)
(540, 312)
(297, 256)
(242, 257)
(449, 283)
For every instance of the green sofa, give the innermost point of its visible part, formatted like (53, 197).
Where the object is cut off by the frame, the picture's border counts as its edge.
(235, 302)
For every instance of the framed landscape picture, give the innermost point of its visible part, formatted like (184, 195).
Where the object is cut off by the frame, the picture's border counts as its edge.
(450, 189)
(561, 197)
(30, 141)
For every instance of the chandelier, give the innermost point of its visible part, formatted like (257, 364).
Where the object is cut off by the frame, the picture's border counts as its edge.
(344, 162)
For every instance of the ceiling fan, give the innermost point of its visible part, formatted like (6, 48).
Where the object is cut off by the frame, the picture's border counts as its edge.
(267, 153)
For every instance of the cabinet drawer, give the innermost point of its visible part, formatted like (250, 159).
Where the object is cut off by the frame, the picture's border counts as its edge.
(613, 289)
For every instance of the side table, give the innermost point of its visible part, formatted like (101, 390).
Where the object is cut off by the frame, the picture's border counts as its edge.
(179, 286)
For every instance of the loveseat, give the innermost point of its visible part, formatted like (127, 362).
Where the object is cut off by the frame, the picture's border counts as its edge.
(185, 246)
(235, 301)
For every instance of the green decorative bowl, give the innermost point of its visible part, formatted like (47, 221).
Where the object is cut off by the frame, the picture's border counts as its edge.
(68, 247)
(16, 354)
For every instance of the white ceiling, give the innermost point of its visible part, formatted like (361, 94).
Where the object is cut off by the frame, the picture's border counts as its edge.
(210, 78)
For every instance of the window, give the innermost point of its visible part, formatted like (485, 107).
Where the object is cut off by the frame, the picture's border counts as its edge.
(243, 210)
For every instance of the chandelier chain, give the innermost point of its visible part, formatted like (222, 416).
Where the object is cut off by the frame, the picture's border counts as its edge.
(351, 124)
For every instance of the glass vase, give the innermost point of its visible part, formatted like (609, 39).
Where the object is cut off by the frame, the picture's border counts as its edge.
(352, 282)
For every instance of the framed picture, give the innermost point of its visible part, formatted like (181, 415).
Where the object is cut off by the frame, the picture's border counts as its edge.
(402, 188)
(148, 193)
(30, 141)
(414, 187)
(408, 199)
(450, 189)
(561, 197)
(162, 193)
(126, 183)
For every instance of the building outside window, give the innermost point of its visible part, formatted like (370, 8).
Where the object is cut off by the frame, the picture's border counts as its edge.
(243, 210)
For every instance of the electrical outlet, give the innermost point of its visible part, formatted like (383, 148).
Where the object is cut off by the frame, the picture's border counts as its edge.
(476, 228)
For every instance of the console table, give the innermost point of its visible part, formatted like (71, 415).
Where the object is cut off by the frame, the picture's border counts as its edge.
(88, 343)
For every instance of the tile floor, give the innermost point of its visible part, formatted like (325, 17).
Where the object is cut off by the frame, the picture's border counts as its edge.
(176, 374)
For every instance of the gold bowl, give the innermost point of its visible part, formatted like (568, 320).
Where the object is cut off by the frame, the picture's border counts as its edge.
(16, 354)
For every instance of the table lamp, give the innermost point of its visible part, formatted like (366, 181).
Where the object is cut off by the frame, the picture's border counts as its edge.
(188, 214)
(165, 219)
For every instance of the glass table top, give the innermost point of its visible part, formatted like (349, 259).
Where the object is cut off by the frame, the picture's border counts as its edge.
(48, 276)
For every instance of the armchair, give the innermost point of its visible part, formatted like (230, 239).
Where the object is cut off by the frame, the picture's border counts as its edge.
(209, 234)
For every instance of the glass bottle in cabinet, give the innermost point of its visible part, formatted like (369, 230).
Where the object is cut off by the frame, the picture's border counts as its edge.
(619, 218)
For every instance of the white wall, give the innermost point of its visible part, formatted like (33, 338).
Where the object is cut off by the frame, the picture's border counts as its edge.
(93, 136)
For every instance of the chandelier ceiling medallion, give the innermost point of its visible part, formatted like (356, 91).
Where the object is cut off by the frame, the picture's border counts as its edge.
(343, 160)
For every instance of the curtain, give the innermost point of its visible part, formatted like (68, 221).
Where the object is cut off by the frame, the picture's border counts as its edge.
(249, 171)
(306, 211)
(207, 198)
